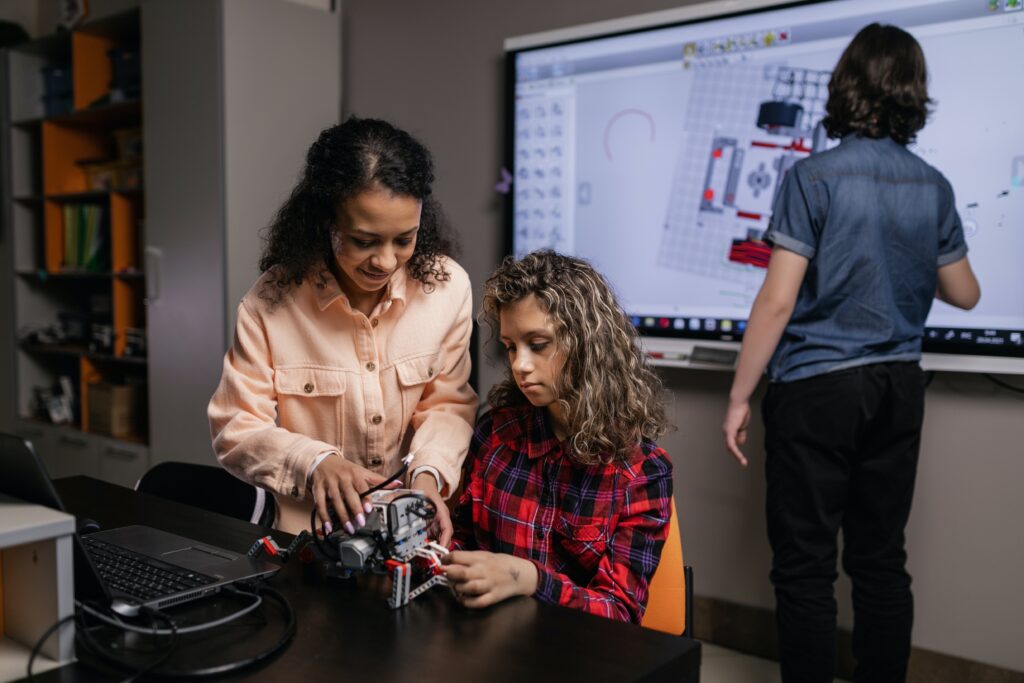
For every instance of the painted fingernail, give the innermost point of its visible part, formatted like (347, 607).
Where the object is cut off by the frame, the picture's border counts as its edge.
(349, 528)
(361, 520)
(367, 507)
(328, 528)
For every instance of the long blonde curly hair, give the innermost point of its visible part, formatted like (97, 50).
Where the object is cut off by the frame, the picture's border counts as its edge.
(610, 397)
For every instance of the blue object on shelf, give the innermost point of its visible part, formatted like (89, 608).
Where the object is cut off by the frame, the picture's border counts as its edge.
(57, 105)
(57, 98)
(56, 79)
(125, 72)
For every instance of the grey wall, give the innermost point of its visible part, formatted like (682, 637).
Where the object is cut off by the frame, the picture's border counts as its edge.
(22, 12)
(435, 68)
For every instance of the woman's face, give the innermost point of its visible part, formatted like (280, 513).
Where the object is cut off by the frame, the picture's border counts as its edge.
(528, 334)
(375, 234)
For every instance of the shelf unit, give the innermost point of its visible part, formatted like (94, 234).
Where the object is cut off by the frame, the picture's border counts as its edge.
(36, 586)
(223, 141)
(48, 188)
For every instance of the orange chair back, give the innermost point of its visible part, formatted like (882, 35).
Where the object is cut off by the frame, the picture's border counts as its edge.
(666, 602)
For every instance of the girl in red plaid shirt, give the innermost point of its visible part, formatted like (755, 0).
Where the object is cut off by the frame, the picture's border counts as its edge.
(568, 499)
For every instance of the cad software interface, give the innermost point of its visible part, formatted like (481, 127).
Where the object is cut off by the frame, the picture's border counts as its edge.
(657, 154)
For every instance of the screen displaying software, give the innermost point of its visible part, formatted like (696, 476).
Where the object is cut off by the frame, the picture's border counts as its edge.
(657, 154)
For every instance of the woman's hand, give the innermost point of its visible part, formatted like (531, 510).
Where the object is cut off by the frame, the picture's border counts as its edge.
(338, 482)
(479, 578)
(441, 526)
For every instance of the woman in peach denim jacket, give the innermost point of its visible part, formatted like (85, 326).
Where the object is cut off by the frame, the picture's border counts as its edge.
(352, 349)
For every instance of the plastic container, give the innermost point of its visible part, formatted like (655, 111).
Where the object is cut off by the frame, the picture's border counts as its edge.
(129, 144)
(57, 97)
(112, 175)
(125, 71)
(56, 80)
(75, 326)
(57, 105)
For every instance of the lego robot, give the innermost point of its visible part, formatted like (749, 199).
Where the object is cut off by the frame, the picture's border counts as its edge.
(394, 541)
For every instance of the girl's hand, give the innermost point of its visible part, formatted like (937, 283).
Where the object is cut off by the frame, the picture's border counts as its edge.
(479, 578)
(338, 482)
(441, 526)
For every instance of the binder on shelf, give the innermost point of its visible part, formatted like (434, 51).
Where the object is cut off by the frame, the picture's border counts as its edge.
(85, 237)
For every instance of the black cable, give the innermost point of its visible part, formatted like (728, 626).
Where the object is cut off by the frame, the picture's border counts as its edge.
(1005, 385)
(116, 622)
(42, 639)
(216, 670)
(394, 477)
(332, 555)
(171, 647)
(116, 660)
(231, 667)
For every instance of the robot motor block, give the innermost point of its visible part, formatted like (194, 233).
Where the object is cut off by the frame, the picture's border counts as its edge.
(394, 541)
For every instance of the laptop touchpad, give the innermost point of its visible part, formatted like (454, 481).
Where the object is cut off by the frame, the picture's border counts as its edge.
(197, 556)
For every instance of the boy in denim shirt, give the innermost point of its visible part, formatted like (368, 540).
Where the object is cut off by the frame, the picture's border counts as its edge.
(865, 236)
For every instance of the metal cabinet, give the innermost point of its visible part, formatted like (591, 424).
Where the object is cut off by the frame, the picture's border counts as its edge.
(121, 462)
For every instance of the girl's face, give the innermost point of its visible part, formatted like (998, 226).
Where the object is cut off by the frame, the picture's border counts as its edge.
(375, 235)
(528, 334)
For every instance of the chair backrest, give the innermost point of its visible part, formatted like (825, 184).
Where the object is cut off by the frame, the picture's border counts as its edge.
(210, 488)
(669, 607)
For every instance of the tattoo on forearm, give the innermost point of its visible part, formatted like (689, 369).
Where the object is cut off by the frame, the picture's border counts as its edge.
(515, 574)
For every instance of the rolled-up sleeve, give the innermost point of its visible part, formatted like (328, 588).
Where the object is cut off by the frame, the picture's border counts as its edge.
(443, 418)
(243, 418)
(952, 243)
(794, 225)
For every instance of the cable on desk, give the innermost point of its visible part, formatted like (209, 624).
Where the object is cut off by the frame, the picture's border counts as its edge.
(180, 630)
(42, 639)
(258, 590)
(85, 638)
(169, 651)
(230, 667)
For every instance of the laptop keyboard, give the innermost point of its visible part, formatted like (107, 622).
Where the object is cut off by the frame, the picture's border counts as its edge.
(138, 575)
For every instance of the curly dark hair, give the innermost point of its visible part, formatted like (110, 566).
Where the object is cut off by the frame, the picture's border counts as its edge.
(879, 87)
(610, 397)
(347, 159)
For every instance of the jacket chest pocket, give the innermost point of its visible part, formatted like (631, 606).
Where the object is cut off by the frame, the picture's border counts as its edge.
(311, 400)
(582, 542)
(414, 374)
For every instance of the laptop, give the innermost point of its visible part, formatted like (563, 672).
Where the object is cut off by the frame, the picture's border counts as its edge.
(131, 566)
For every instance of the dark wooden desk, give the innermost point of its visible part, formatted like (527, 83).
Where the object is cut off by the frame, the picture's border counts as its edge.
(346, 631)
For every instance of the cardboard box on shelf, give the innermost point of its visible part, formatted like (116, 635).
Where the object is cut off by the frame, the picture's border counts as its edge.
(112, 409)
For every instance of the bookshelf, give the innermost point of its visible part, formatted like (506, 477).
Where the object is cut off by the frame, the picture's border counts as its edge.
(73, 131)
(223, 139)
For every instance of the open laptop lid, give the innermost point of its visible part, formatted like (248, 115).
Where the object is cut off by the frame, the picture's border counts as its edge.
(23, 475)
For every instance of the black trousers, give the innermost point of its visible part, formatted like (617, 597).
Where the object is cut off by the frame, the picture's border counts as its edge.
(842, 454)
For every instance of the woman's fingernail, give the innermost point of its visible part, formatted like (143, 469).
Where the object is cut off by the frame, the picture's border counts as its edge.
(368, 507)
(361, 520)
(349, 528)
(328, 528)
